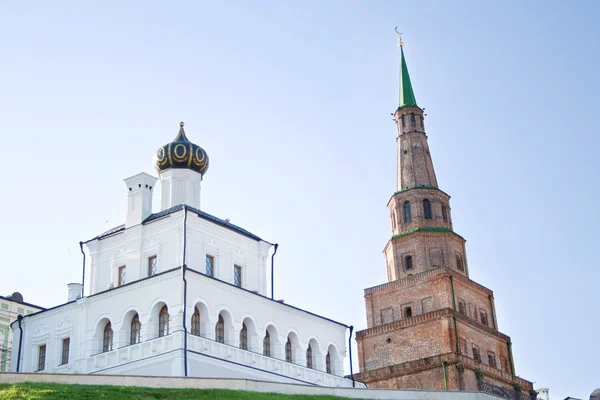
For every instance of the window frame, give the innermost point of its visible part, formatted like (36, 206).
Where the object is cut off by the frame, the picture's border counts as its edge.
(210, 273)
(107, 340)
(152, 265)
(196, 322)
(288, 350)
(427, 214)
(41, 357)
(220, 330)
(135, 335)
(267, 344)
(407, 212)
(64, 359)
(408, 262)
(244, 337)
(328, 362)
(121, 275)
(237, 275)
(163, 321)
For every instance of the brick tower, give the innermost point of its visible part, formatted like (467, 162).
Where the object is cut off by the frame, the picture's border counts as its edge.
(430, 326)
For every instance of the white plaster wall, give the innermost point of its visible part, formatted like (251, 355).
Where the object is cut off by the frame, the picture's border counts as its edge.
(164, 238)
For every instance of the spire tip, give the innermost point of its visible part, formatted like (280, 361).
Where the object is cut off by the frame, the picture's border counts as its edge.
(400, 42)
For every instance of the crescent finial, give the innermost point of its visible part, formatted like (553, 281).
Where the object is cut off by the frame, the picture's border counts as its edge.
(400, 42)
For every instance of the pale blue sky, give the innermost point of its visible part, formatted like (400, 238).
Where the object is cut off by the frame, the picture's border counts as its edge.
(292, 102)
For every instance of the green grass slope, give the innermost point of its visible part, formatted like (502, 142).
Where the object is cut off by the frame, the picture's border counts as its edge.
(43, 391)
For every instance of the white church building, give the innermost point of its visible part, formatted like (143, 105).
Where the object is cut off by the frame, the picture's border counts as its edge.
(179, 293)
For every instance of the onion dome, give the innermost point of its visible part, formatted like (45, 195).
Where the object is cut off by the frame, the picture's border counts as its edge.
(181, 153)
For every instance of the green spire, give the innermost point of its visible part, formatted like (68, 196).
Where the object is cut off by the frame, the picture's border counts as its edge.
(407, 96)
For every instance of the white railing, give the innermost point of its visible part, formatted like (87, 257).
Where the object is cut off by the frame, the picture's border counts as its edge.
(134, 352)
(255, 360)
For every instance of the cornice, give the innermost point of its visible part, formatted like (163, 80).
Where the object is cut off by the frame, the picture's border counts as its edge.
(417, 187)
(426, 229)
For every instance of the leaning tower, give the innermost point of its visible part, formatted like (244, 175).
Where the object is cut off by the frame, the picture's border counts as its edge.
(430, 326)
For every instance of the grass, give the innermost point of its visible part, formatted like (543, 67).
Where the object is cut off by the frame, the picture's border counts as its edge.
(44, 391)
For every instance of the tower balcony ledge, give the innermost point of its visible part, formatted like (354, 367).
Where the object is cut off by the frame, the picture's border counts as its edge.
(424, 188)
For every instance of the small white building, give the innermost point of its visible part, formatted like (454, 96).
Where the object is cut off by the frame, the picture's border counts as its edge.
(10, 308)
(179, 293)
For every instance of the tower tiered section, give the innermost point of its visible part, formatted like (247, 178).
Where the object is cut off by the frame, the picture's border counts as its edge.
(430, 326)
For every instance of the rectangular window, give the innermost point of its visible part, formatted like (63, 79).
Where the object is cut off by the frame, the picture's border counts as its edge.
(491, 359)
(476, 354)
(464, 350)
(42, 358)
(65, 351)
(210, 265)
(503, 364)
(122, 271)
(462, 307)
(408, 263)
(152, 265)
(237, 276)
(484, 319)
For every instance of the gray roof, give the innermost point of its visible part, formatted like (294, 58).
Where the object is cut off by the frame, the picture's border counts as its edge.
(177, 208)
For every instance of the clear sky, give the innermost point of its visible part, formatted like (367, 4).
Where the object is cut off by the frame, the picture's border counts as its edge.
(292, 102)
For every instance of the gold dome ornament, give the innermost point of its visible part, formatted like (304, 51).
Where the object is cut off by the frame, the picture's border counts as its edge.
(181, 153)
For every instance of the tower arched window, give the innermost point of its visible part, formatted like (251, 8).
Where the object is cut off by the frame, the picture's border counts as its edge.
(328, 363)
(163, 322)
(426, 209)
(244, 337)
(459, 263)
(393, 220)
(136, 328)
(407, 212)
(413, 120)
(220, 330)
(288, 350)
(196, 322)
(309, 359)
(107, 338)
(445, 213)
(408, 263)
(403, 121)
(267, 344)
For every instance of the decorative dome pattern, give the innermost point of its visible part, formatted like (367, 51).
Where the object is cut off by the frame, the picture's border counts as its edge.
(181, 153)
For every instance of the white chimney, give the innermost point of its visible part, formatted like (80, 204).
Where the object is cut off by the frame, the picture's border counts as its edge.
(543, 393)
(139, 198)
(74, 291)
(180, 186)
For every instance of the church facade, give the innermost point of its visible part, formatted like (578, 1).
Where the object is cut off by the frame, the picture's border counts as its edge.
(179, 293)
(430, 326)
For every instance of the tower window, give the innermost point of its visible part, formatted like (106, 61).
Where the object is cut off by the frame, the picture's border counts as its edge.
(492, 359)
(237, 275)
(403, 121)
(408, 262)
(408, 312)
(476, 354)
(413, 121)
(462, 307)
(152, 265)
(445, 213)
(407, 212)
(483, 317)
(459, 263)
(426, 209)
(210, 265)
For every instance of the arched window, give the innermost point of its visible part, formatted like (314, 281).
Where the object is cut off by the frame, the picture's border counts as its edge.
(196, 322)
(408, 264)
(244, 337)
(393, 220)
(136, 327)
(426, 209)
(413, 121)
(107, 338)
(309, 360)
(328, 363)
(220, 330)
(163, 322)
(445, 213)
(403, 121)
(408, 312)
(267, 344)
(407, 213)
(288, 350)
